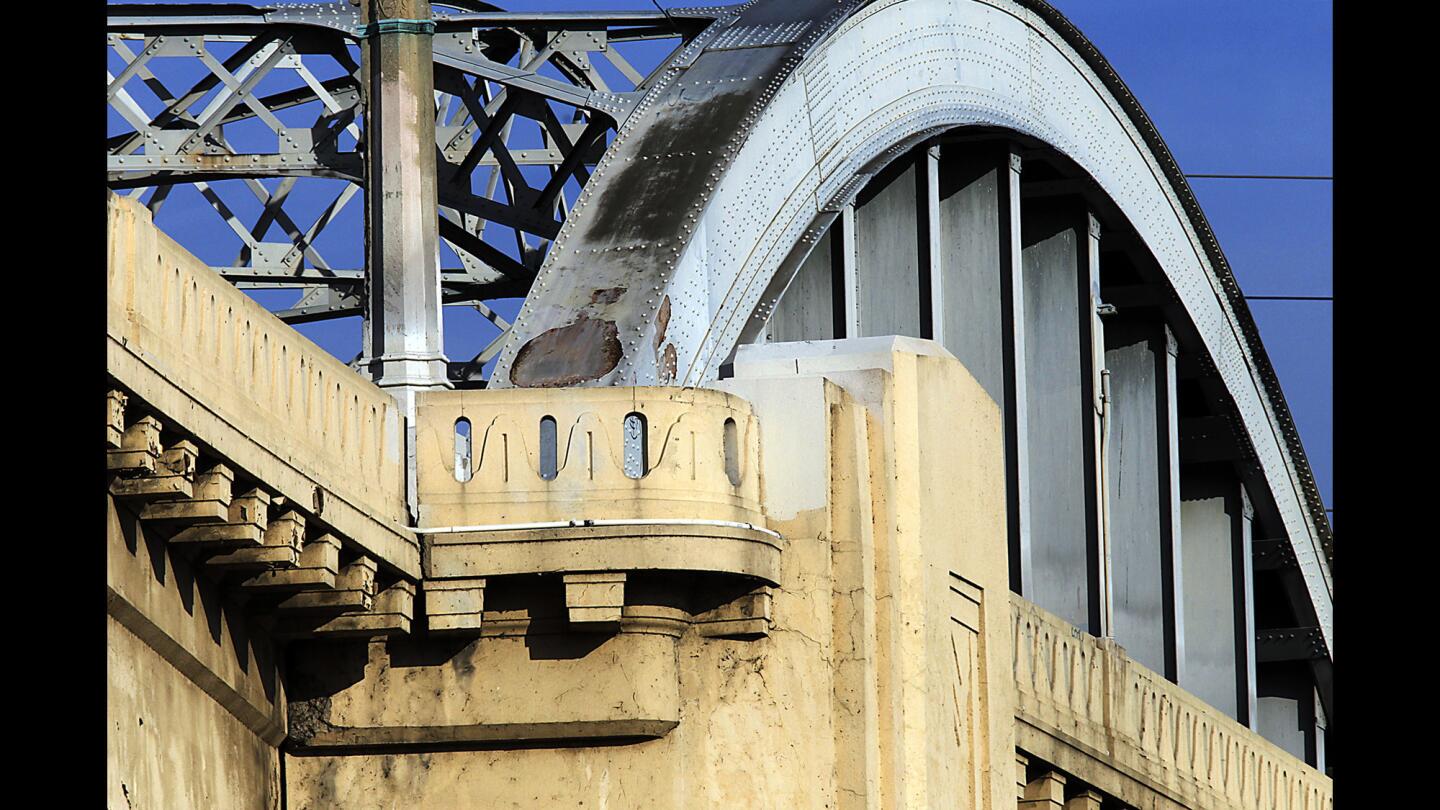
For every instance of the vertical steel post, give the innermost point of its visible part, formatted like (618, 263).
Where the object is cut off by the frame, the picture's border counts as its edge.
(403, 347)
(402, 341)
(1172, 549)
(1100, 417)
(930, 214)
(1245, 615)
(1017, 450)
(850, 273)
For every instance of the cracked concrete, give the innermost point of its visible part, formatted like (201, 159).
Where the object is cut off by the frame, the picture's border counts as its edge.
(854, 699)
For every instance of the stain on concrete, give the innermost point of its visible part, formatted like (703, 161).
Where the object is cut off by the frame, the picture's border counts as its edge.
(307, 719)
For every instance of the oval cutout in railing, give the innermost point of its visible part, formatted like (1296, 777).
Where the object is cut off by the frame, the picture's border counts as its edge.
(636, 458)
(732, 453)
(549, 463)
(464, 443)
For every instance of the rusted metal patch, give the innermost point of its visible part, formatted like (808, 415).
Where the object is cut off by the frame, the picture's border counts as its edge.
(668, 363)
(606, 295)
(582, 351)
(662, 320)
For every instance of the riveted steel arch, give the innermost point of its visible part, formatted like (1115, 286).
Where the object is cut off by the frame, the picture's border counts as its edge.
(775, 116)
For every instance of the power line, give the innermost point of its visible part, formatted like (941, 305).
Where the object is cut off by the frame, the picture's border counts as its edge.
(1289, 298)
(1262, 176)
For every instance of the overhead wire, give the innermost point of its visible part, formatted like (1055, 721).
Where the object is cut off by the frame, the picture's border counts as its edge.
(1262, 176)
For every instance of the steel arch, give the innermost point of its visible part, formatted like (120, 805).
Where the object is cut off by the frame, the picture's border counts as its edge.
(761, 129)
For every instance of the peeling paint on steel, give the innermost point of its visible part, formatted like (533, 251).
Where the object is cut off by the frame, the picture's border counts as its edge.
(567, 355)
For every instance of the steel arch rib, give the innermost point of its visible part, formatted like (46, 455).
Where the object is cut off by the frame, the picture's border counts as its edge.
(773, 117)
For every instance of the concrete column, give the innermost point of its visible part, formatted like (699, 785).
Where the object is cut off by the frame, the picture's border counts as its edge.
(1213, 528)
(1141, 487)
(403, 344)
(1057, 261)
(977, 300)
(890, 247)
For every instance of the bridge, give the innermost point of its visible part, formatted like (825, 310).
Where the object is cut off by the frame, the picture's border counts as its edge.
(881, 420)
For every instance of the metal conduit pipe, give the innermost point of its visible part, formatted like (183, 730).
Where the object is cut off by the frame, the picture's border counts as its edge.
(568, 524)
(1107, 592)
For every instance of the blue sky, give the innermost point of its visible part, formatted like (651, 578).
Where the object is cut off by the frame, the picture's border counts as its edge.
(1244, 87)
(1235, 87)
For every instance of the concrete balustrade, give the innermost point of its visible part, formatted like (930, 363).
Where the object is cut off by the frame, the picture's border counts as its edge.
(597, 479)
(223, 369)
(1087, 707)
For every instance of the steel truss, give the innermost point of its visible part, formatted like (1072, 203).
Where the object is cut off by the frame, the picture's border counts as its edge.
(203, 94)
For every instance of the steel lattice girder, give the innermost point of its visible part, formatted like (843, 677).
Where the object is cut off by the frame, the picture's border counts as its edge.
(479, 97)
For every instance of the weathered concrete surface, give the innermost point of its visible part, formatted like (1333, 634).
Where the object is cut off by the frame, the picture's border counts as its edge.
(686, 471)
(219, 366)
(886, 667)
(169, 744)
(1087, 708)
(195, 703)
(156, 595)
(511, 685)
(920, 555)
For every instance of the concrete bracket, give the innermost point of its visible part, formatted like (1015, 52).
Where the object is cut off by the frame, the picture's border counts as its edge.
(595, 598)
(454, 606)
(748, 617)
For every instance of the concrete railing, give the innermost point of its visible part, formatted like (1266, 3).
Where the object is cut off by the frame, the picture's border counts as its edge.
(218, 365)
(1092, 696)
(527, 481)
(690, 453)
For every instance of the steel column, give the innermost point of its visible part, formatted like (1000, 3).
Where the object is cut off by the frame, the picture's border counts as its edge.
(1171, 548)
(403, 347)
(1064, 541)
(1140, 488)
(808, 308)
(1134, 483)
(1214, 665)
(1244, 578)
(850, 292)
(932, 291)
(1017, 412)
(889, 235)
(1102, 617)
